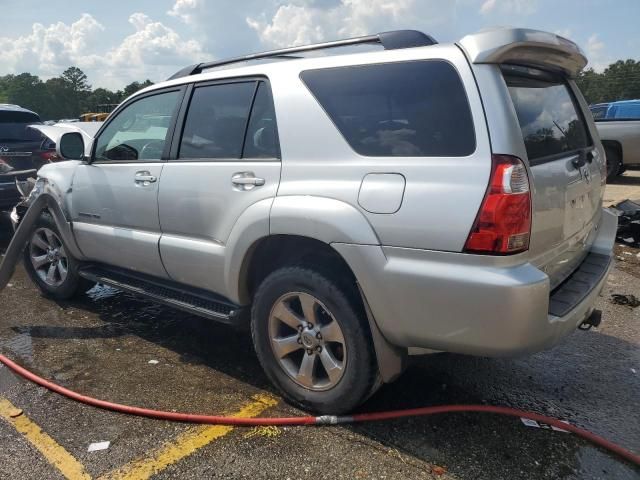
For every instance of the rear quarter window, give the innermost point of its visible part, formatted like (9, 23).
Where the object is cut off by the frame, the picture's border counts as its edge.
(404, 109)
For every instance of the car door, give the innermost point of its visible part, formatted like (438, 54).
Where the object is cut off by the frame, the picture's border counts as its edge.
(114, 202)
(225, 160)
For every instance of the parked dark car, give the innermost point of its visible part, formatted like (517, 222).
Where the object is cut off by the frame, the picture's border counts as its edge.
(22, 151)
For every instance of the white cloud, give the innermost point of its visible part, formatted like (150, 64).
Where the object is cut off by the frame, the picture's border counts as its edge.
(509, 7)
(596, 53)
(298, 23)
(47, 48)
(185, 10)
(152, 51)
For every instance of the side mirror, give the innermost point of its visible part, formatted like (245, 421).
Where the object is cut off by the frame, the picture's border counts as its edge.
(71, 146)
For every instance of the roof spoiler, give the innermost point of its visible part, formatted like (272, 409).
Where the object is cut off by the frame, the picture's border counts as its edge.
(522, 46)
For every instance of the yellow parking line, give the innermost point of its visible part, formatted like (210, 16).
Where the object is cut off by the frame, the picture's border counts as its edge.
(47, 446)
(185, 444)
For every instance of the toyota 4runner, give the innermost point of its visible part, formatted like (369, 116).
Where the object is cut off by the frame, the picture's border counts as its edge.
(353, 208)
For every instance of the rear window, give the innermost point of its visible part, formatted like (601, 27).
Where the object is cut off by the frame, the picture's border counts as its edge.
(14, 126)
(407, 109)
(551, 123)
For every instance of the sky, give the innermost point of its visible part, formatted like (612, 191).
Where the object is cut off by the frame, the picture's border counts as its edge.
(116, 42)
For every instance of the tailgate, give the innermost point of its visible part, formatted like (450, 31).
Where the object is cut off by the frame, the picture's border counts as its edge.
(565, 169)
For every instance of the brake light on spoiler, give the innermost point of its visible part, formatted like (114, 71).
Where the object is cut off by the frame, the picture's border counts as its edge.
(503, 224)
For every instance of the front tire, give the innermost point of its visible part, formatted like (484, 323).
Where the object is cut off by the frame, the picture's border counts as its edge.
(313, 341)
(49, 264)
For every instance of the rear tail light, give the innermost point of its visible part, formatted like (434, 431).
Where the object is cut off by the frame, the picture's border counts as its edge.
(503, 224)
(50, 156)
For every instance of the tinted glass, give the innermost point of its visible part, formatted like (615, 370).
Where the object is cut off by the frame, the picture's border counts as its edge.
(409, 109)
(216, 121)
(14, 126)
(599, 112)
(548, 117)
(262, 134)
(139, 131)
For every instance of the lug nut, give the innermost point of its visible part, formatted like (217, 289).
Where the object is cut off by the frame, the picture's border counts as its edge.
(299, 340)
(299, 328)
(309, 326)
(309, 352)
(318, 349)
(319, 336)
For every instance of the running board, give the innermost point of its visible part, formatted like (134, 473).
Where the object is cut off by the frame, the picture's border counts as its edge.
(192, 300)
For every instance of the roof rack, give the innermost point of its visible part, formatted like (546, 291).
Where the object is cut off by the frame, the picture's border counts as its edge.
(389, 40)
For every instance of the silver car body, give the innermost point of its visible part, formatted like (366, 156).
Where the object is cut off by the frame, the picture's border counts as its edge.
(624, 136)
(399, 223)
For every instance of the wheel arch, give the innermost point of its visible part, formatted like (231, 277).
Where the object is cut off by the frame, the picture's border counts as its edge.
(277, 251)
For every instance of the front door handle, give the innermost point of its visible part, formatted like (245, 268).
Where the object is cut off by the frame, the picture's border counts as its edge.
(144, 178)
(246, 180)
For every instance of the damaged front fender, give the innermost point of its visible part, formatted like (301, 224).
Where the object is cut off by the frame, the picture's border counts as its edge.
(39, 200)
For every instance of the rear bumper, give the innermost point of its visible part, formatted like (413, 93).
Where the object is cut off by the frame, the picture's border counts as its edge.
(471, 304)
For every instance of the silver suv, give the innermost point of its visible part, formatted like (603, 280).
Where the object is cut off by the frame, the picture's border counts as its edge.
(354, 208)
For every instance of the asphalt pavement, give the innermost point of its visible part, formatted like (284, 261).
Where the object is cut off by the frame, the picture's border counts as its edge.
(112, 345)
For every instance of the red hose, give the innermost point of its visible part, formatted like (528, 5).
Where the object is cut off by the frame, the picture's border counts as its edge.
(286, 421)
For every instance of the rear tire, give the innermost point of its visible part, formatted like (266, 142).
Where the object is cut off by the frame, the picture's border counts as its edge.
(613, 163)
(313, 342)
(49, 263)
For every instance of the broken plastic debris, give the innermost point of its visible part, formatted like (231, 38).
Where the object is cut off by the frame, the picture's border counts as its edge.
(628, 300)
(534, 424)
(153, 362)
(94, 447)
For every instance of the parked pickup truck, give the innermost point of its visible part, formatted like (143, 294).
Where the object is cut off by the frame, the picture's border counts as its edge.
(618, 125)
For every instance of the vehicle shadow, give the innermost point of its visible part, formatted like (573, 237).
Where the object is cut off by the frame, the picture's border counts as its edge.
(625, 179)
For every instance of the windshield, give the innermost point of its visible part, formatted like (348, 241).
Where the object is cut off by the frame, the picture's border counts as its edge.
(549, 119)
(14, 127)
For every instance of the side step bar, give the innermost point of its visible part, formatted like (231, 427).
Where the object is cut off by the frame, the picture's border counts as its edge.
(192, 300)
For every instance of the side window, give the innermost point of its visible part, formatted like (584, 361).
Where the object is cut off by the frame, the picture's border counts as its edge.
(217, 120)
(139, 131)
(403, 109)
(261, 140)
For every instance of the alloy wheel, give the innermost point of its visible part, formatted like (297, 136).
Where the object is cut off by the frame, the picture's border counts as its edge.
(307, 341)
(48, 257)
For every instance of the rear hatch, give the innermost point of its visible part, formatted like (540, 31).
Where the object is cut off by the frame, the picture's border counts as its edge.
(19, 144)
(565, 167)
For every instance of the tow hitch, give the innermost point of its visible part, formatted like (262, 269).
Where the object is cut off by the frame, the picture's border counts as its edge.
(592, 321)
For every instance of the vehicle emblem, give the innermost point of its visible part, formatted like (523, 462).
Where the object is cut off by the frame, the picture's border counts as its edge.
(4, 148)
(586, 174)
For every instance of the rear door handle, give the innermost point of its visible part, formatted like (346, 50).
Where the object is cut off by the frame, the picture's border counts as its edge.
(246, 180)
(144, 178)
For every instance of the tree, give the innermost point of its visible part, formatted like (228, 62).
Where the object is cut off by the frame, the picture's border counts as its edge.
(77, 80)
(24, 89)
(619, 81)
(133, 87)
(99, 96)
